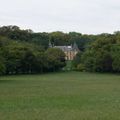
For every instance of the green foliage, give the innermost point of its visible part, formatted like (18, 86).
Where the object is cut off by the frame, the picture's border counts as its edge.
(56, 59)
(77, 60)
(88, 60)
(42, 39)
(81, 67)
(98, 57)
(59, 38)
(23, 57)
(2, 66)
(68, 66)
(24, 51)
(115, 52)
(101, 56)
(14, 32)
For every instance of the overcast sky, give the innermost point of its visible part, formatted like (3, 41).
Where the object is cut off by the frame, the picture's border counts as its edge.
(85, 16)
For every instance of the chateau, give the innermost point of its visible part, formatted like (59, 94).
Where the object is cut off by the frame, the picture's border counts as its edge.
(70, 51)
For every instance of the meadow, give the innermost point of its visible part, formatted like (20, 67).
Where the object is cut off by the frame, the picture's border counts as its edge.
(60, 96)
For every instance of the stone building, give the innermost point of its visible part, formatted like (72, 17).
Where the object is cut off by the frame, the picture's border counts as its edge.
(70, 51)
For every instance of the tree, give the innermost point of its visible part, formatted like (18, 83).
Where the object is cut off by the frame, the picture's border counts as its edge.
(115, 52)
(98, 56)
(55, 58)
(77, 60)
(2, 65)
(59, 38)
(41, 39)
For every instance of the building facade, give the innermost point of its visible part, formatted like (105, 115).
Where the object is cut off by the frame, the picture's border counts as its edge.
(70, 51)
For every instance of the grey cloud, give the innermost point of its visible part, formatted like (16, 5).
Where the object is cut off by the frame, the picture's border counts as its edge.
(85, 16)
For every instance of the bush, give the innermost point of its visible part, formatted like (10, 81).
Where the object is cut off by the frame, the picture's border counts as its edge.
(81, 67)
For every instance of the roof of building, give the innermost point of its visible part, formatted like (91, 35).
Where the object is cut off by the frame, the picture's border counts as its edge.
(66, 48)
(75, 47)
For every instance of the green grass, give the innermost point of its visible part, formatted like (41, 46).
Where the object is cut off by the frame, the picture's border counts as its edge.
(60, 96)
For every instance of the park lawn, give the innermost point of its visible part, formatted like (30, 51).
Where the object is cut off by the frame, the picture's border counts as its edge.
(60, 96)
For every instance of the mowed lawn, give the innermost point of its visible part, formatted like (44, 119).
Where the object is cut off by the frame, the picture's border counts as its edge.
(60, 96)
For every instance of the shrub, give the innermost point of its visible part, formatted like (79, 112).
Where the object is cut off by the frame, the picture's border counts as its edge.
(81, 67)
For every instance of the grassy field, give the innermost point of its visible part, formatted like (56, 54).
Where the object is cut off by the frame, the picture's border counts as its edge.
(60, 96)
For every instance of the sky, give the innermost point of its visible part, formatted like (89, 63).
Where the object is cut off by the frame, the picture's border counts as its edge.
(84, 16)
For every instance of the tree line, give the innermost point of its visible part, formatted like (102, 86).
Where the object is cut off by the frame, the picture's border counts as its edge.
(42, 39)
(102, 55)
(24, 51)
(24, 58)
(18, 56)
